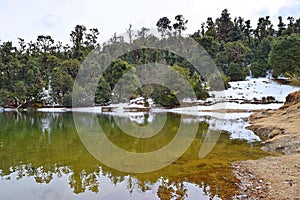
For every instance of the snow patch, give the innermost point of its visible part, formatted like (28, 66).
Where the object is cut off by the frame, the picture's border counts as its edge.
(254, 88)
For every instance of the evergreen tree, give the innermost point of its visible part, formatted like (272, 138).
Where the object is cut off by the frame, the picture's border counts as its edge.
(224, 26)
(281, 27)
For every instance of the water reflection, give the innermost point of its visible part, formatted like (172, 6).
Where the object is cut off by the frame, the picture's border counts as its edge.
(42, 157)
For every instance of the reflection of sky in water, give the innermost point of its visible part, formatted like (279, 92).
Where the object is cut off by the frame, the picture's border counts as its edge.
(45, 125)
(235, 126)
(47, 121)
(126, 189)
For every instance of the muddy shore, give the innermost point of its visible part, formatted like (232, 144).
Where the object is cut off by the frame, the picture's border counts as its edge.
(274, 177)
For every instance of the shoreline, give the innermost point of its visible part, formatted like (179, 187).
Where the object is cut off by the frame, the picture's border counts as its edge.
(273, 177)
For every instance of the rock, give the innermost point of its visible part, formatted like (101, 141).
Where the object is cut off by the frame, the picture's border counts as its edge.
(292, 99)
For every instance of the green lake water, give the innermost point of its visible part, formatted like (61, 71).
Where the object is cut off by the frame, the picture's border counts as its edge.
(43, 157)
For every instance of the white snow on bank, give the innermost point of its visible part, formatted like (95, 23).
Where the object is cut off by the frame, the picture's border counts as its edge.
(194, 111)
(10, 110)
(254, 88)
(53, 109)
(235, 126)
(96, 109)
(213, 109)
(137, 117)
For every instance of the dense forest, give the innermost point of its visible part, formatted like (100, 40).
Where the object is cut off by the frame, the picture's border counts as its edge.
(237, 46)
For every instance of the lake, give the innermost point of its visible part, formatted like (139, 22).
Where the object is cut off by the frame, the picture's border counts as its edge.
(44, 157)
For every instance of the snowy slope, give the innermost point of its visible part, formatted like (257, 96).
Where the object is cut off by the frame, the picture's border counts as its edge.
(254, 88)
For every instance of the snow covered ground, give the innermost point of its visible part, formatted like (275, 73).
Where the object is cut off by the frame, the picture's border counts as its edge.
(254, 88)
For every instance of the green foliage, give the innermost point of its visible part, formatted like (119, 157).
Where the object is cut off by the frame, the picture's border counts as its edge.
(116, 70)
(235, 71)
(61, 82)
(263, 49)
(126, 85)
(211, 28)
(103, 92)
(264, 28)
(163, 96)
(71, 66)
(284, 56)
(20, 91)
(5, 97)
(224, 26)
(218, 81)
(259, 68)
(237, 52)
(293, 78)
(67, 100)
(209, 44)
(199, 89)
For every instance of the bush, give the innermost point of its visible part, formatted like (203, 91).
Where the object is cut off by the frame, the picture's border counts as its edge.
(270, 98)
(259, 68)
(163, 96)
(235, 72)
(67, 100)
(219, 82)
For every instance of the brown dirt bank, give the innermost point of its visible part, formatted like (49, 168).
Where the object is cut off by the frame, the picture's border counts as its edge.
(274, 177)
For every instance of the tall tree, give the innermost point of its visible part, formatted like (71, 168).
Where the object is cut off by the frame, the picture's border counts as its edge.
(224, 25)
(91, 38)
(180, 24)
(163, 26)
(143, 33)
(45, 42)
(202, 29)
(281, 27)
(264, 28)
(248, 30)
(22, 45)
(291, 27)
(77, 38)
(235, 33)
(130, 33)
(297, 26)
(211, 28)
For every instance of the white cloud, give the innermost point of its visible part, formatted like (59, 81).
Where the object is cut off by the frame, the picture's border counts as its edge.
(57, 18)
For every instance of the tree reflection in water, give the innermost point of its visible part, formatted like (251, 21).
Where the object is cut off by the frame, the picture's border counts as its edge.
(45, 146)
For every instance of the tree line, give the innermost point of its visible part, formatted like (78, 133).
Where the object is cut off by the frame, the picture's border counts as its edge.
(236, 46)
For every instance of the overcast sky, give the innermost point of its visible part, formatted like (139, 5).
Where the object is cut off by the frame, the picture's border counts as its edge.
(29, 18)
